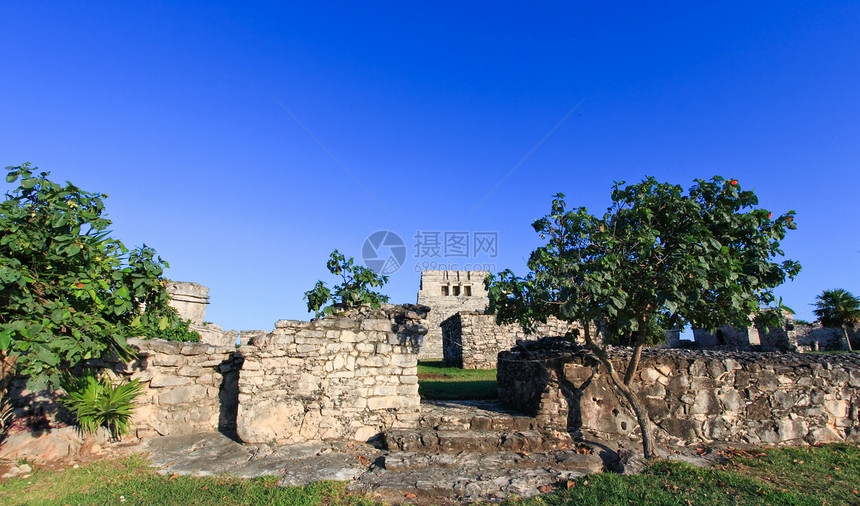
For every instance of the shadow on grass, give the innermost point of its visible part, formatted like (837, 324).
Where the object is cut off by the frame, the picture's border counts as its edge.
(451, 383)
(457, 390)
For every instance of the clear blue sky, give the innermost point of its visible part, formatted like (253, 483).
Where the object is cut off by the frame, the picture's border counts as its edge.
(245, 141)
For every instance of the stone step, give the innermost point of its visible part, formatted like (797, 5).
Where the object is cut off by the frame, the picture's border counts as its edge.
(472, 415)
(472, 476)
(581, 458)
(455, 441)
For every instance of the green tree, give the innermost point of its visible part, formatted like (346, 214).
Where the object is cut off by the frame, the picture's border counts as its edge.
(68, 291)
(838, 308)
(657, 259)
(353, 291)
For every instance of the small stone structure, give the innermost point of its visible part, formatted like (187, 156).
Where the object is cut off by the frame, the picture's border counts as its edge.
(188, 387)
(692, 396)
(790, 337)
(448, 292)
(350, 376)
(473, 340)
(751, 337)
(813, 336)
(347, 376)
(189, 300)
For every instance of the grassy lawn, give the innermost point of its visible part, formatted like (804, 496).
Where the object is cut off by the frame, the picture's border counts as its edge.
(813, 475)
(448, 383)
(132, 481)
(808, 475)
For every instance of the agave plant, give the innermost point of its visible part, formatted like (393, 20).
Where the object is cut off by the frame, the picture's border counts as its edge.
(838, 308)
(99, 402)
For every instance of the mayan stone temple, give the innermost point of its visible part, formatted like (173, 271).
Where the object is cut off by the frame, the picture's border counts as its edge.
(447, 293)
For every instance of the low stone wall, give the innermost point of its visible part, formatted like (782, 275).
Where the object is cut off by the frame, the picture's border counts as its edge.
(692, 396)
(352, 376)
(473, 340)
(188, 387)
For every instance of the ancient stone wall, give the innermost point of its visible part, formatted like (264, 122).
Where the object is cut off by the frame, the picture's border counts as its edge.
(352, 376)
(188, 387)
(448, 292)
(473, 340)
(692, 396)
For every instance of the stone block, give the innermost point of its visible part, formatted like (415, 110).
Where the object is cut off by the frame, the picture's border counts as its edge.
(195, 349)
(387, 402)
(182, 395)
(376, 325)
(168, 380)
(167, 360)
(190, 371)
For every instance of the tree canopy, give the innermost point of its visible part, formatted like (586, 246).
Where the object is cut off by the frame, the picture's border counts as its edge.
(68, 290)
(657, 259)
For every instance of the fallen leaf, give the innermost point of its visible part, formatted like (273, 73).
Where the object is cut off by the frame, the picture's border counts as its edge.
(363, 460)
(545, 489)
(571, 484)
(410, 496)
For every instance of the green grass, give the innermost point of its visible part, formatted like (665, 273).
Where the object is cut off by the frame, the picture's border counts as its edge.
(791, 476)
(132, 481)
(828, 474)
(451, 383)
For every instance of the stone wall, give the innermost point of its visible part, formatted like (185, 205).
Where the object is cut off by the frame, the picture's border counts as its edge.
(352, 376)
(448, 292)
(188, 387)
(473, 340)
(692, 396)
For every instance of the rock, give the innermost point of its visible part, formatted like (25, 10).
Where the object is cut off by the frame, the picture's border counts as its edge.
(208, 454)
(48, 445)
(332, 466)
(16, 471)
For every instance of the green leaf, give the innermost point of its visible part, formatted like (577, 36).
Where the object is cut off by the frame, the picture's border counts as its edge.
(5, 336)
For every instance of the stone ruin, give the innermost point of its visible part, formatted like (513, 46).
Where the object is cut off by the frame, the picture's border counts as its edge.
(349, 376)
(190, 301)
(354, 375)
(692, 396)
(473, 340)
(791, 336)
(447, 293)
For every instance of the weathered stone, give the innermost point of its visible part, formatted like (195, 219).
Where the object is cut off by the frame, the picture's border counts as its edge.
(182, 394)
(764, 398)
(164, 380)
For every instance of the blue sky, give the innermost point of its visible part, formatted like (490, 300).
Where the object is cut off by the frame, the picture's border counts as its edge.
(245, 141)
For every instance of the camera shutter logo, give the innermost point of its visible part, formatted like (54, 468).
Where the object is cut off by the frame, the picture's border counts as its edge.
(384, 252)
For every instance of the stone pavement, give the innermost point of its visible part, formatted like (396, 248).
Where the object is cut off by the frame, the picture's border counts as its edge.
(471, 450)
(461, 451)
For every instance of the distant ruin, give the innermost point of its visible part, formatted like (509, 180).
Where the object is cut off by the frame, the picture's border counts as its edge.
(447, 293)
(791, 336)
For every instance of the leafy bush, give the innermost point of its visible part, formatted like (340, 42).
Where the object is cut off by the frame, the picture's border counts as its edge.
(68, 290)
(353, 292)
(97, 402)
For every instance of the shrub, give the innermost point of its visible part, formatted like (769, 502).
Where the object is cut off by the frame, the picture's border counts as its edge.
(97, 402)
(69, 291)
(354, 291)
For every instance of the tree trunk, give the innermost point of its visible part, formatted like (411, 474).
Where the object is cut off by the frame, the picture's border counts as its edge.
(847, 339)
(633, 365)
(648, 447)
